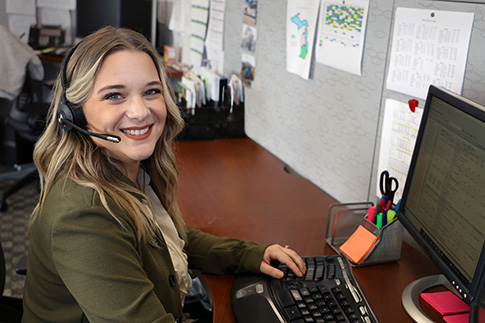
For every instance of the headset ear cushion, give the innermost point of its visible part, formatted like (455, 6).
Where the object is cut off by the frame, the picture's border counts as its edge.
(68, 115)
(64, 113)
(79, 118)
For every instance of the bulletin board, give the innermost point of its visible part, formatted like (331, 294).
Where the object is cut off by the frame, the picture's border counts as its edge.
(473, 86)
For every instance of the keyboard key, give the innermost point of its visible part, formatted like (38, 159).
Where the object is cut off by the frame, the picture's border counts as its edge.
(348, 310)
(340, 297)
(324, 309)
(305, 312)
(301, 305)
(335, 309)
(310, 269)
(320, 303)
(304, 292)
(312, 306)
(308, 299)
(340, 317)
(310, 262)
(332, 304)
(292, 312)
(316, 314)
(316, 296)
(353, 317)
(319, 274)
(313, 289)
(310, 274)
(327, 297)
(296, 295)
(328, 317)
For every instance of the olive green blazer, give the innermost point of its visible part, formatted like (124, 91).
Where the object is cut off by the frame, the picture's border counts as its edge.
(84, 266)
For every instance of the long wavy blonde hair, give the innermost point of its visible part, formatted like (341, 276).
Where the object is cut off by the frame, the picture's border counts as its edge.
(59, 151)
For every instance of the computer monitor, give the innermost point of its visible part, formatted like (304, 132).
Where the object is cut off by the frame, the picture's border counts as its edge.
(139, 15)
(477, 307)
(444, 197)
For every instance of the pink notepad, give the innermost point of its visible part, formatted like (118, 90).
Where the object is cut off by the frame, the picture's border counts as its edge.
(459, 318)
(446, 302)
(358, 244)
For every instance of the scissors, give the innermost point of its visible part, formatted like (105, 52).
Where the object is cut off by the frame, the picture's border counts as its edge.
(388, 185)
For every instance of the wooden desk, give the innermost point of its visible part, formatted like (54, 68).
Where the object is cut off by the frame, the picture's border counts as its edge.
(236, 188)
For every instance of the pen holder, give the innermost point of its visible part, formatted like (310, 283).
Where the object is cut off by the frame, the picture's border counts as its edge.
(343, 221)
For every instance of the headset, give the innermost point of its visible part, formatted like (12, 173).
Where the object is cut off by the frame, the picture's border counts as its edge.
(73, 118)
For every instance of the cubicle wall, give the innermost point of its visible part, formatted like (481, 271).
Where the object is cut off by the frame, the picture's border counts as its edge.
(327, 128)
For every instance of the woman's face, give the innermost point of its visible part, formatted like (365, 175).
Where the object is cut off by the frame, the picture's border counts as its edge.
(127, 101)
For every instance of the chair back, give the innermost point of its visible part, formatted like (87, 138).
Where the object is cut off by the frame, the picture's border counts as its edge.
(2, 270)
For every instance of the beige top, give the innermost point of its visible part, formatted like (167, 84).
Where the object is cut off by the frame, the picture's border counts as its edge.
(174, 243)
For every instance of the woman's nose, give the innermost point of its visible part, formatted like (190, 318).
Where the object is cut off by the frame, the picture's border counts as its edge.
(138, 108)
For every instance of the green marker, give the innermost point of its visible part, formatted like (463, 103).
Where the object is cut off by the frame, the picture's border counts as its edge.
(391, 214)
(379, 220)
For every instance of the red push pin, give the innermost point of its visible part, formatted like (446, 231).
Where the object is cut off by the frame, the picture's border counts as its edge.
(413, 104)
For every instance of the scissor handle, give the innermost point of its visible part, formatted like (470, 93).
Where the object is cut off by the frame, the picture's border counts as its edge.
(390, 190)
(383, 182)
(386, 185)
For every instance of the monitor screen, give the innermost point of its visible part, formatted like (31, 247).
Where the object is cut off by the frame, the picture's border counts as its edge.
(444, 198)
(94, 14)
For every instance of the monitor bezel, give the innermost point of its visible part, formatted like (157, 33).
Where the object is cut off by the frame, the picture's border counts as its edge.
(477, 111)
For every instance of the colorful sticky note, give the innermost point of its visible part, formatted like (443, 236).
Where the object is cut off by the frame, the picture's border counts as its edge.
(358, 244)
(446, 302)
(458, 318)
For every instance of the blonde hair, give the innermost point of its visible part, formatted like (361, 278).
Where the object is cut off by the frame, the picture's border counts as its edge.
(73, 153)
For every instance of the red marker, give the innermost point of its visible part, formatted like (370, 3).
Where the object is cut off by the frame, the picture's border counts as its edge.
(370, 214)
(388, 205)
(382, 204)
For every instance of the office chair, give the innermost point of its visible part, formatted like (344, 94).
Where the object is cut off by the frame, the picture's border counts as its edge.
(10, 307)
(27, 118)
(20, 66)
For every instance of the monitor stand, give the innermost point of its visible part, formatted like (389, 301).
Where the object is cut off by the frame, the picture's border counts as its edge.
(410, 295)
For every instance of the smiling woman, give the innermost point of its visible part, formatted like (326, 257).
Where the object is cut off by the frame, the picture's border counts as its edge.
(107, 238)
(127, 101)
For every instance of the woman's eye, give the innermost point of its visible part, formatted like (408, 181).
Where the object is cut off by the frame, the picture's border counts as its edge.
(113, 96)
(153, 92)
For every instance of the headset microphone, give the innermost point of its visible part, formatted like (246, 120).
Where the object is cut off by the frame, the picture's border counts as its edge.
(69, 117)
(68, 124)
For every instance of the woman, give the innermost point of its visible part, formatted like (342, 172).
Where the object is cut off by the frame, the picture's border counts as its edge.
(107, 240)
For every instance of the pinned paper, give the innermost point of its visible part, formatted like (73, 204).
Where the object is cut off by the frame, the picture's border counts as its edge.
(446, 302)
(358, 244)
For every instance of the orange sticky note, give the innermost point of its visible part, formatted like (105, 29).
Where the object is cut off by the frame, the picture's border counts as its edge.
(358, 244)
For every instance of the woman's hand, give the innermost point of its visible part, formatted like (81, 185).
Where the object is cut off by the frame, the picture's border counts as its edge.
(285, 256)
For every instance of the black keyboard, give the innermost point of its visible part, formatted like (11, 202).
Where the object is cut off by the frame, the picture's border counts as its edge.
(327, 293)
